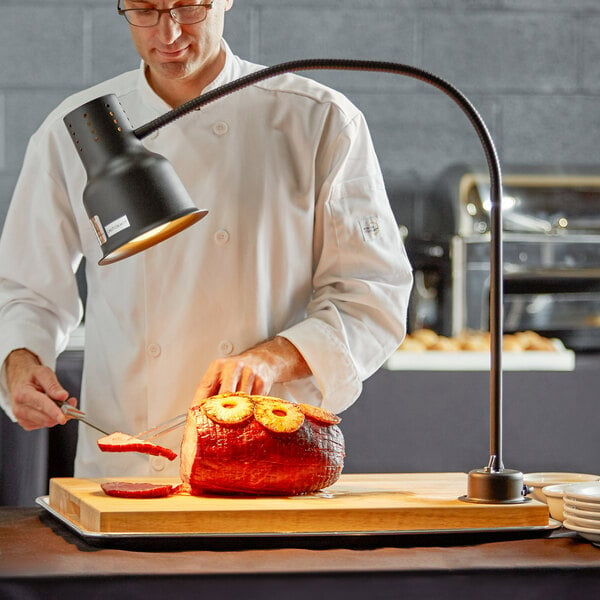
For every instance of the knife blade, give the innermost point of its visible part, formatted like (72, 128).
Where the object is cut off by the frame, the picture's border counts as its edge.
(163, 428)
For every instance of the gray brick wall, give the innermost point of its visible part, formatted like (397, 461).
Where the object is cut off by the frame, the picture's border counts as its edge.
(531, 67)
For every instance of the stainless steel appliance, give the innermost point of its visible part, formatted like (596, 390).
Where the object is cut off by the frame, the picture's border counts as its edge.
(551, 225)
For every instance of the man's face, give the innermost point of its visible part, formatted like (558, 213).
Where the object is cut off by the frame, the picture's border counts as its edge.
(172, 51)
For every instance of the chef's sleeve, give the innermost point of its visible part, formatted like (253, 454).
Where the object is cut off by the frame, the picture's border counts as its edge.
(39, 298)
(361, 275)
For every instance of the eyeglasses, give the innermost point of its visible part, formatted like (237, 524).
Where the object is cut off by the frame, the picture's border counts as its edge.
(149, 17)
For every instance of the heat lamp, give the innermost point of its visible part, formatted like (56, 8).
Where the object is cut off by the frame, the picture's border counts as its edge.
(134, 200)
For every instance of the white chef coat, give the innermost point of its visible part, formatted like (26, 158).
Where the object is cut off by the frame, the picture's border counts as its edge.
(299, 241)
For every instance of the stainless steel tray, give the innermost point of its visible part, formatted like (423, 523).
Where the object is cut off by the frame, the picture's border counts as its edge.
(533, 531)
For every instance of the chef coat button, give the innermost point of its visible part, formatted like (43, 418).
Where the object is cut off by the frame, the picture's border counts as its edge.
(158, 463)
(225, 347)
(220, 128)
(154, 350)
(222, 237)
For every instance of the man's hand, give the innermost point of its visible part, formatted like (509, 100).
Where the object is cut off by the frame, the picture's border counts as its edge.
(32, 388)
(254, 371)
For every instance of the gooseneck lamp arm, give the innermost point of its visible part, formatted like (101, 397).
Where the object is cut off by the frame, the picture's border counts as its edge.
(492, 483)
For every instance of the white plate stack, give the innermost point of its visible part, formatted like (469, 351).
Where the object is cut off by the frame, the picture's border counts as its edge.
(582, 510)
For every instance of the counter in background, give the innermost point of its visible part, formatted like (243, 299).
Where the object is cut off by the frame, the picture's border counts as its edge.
(560, 360)
(409, 421)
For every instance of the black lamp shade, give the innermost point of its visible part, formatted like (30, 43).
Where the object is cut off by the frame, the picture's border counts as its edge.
(133, 197)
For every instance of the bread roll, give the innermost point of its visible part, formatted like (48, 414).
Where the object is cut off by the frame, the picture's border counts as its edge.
(426, 336)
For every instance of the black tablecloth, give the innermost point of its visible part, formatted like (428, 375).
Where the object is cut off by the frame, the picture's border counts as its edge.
(42, 558)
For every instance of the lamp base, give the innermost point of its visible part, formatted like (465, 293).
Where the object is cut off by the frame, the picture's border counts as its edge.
(486, 486)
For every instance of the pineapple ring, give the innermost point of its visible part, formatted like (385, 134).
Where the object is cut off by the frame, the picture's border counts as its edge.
(199, 401)
(277, 415)
(228, 409)
(319, 415)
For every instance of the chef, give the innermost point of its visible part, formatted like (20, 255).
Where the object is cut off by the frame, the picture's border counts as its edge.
(295, 284)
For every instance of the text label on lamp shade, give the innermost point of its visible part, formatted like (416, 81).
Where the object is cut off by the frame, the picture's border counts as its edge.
(492, 483)
(133, 196)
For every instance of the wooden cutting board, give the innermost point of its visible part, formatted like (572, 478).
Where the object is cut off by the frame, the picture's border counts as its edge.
(356, 503)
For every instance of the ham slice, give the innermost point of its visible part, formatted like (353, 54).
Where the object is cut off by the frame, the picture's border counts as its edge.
(122, 442)
(127, 489)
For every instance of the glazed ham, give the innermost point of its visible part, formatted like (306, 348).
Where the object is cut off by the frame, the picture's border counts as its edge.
(121, 442)
(240, 444)
(235, 443)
